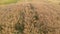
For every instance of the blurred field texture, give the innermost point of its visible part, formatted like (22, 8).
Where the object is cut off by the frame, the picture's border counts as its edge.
(30, 17)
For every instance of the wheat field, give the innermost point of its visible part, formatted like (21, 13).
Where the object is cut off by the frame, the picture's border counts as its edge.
(34, 17)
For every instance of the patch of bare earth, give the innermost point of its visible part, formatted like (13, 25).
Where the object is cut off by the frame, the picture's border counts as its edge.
(30, 18)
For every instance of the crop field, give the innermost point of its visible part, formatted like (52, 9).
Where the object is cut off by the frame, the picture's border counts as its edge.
(29, 17)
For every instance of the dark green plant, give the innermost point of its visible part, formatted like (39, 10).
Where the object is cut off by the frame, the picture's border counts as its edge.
(19, 26)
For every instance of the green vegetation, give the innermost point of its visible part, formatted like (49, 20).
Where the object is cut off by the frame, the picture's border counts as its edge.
(7, 1)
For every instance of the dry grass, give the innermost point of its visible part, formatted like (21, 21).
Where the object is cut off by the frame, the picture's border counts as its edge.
(30, 18)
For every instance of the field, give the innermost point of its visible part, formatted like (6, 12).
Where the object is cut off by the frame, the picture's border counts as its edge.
(30, 17)
(7, 1)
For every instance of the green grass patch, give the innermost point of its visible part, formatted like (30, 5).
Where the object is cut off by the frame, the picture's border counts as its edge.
(7, 1)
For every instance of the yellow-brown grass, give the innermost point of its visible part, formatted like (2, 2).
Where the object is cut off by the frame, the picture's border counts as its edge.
(30, 18)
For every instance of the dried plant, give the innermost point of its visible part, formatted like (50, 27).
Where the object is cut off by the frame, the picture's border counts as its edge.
(30, 19)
